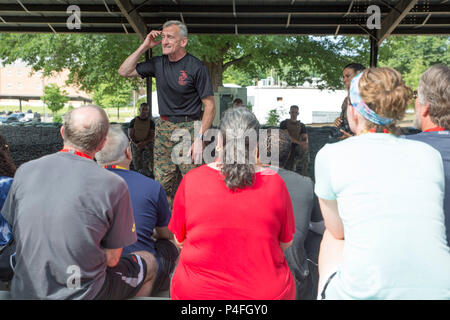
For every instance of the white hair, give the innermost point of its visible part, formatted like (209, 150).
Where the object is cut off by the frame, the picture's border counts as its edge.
(182, 29)
(113, 151)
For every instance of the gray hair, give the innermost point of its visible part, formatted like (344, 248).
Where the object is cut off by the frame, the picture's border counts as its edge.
(238, 127)
(116, 144)
(434, 88)
(87, 136)
(182, 29)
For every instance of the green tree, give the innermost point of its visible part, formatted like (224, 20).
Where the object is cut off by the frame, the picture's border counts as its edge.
(295, 59)
(54, 97)
(91, 59)
(273, 118)
(320, 60)
(118, 97)
(412, 55)
(94, 59)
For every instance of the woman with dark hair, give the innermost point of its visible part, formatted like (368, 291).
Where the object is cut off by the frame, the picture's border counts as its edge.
(233, 219)
(7, 171)
(382, 202)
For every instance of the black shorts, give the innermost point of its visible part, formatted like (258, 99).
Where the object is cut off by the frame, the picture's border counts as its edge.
(166, 256)
(124, 280)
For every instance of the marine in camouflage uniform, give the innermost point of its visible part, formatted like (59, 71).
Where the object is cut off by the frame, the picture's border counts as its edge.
(168, 169)
(299, 155)
(141, 133)
(183, 85)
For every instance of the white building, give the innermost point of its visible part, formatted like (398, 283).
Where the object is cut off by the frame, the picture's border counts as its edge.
(18, 80)
(316, 106)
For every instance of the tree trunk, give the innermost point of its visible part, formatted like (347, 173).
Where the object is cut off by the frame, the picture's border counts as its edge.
(215, 73)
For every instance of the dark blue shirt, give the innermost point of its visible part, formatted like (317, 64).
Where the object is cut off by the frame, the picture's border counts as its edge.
(5, 228)
(440, 140)
(150, 208)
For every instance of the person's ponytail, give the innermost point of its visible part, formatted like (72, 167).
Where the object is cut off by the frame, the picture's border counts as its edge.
(239, 128)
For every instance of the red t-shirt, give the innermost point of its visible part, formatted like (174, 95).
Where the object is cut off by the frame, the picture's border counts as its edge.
(232, 239)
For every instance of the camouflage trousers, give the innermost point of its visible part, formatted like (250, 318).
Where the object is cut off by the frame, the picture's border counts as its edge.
(298, 160)
(172, 160)
(142, 159)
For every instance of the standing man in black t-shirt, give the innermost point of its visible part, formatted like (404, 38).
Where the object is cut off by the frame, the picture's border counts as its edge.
(183, 85)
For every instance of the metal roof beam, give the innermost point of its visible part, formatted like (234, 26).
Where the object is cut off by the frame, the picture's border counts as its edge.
(133, 17)
(277, 9)
(24, 8)
(62, 29)
(43, 8)
(443, 8)
(292, 30)
(394, 18)
(206, 21)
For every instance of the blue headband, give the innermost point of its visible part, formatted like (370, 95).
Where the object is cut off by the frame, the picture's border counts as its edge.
(358, 103)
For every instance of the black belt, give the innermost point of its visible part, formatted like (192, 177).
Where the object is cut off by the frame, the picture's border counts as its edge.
(178, 119)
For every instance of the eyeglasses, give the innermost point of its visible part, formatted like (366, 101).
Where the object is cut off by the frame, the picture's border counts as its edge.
(415, 94)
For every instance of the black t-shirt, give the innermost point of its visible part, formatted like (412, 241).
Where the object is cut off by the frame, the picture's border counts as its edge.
(181, 85)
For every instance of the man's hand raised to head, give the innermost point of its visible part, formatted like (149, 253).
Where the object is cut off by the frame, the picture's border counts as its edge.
(128, 67)
(150, 40)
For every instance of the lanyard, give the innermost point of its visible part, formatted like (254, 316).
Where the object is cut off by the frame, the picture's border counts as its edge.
(114, 167)
(434, 129)
(374, 131)
(76, 152)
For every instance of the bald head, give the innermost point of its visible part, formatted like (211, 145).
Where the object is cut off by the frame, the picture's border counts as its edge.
(85, 128)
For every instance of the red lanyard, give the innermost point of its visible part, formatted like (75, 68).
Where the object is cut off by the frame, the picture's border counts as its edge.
(76, 152)
(114, 167)
(434, 129)
(375, 130)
